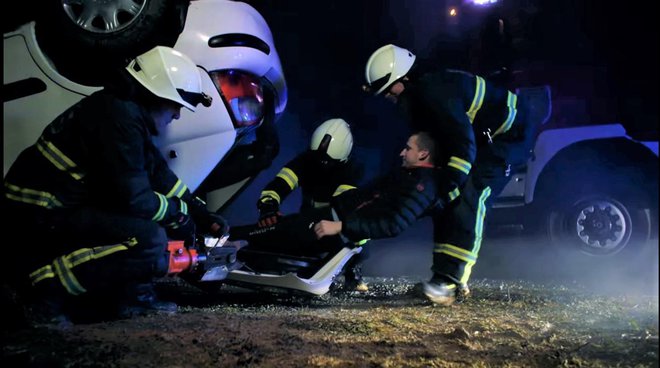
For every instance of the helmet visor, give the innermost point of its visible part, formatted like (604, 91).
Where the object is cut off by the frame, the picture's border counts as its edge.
(380, 83)
(195, 98)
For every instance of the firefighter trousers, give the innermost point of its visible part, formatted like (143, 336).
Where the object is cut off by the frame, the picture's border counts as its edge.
(458, 230)
(85, 250)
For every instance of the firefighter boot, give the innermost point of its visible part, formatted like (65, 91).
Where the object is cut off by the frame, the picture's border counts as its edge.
(444, 293)
(353, 279)
(45, 305)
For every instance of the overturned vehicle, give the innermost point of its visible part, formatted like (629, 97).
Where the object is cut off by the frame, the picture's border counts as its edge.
(216, 151)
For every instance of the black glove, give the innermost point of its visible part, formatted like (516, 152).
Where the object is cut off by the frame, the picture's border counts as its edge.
(212, 224)
(269, 211)
(218, 226)
(183, 228)
(208, 223)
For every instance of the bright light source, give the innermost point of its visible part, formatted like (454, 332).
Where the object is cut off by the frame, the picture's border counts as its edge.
(484, 2)
(453, 12)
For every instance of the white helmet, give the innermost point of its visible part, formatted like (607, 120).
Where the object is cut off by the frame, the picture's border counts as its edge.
(334, 138)
(169, 74)
(387, 65)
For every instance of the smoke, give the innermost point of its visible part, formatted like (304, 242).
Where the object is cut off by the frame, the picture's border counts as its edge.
(528, 258)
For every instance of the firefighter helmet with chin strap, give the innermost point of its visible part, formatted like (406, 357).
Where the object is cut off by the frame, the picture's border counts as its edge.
(387, 65)
(169, 74)
(334, 138)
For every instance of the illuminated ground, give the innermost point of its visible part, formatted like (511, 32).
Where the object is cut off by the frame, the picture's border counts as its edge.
(515, 324)
(530, 307)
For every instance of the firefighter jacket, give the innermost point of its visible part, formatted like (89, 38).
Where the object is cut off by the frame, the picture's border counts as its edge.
(462, 112)
(388, 205)
(98, 153)
(320, 179)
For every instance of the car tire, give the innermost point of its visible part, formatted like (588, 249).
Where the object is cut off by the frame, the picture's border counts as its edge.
(598, 224)
(80, 41)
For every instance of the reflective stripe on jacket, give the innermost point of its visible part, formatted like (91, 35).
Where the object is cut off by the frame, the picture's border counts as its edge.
(98, 153)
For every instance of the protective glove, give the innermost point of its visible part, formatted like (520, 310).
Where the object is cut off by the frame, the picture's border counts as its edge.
(208, 223)
(212, 224)
(269, 212)
(218, 226)
(183, 228)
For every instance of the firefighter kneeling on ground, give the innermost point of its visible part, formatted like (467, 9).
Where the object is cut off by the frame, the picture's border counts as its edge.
(93, 203)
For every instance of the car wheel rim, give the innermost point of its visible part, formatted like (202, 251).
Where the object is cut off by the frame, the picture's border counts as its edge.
(603, 226)
(103, 16)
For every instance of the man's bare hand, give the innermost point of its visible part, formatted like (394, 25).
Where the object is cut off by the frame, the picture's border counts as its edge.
(327, 228)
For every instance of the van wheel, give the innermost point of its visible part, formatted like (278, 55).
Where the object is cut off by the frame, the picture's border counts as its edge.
(598, 225)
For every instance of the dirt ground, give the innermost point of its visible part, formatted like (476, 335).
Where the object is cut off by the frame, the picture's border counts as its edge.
(503, 324)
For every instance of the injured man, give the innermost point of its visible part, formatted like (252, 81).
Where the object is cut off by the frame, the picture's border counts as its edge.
(384, 208)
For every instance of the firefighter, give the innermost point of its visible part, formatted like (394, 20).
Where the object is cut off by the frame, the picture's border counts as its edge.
(481, 132)
(323, 171)
(93, 203)
(383, 208)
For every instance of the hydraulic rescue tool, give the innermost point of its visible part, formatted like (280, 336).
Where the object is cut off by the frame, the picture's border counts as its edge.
(206, 259)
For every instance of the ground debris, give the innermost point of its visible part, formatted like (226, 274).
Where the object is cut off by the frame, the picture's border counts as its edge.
(503, 324)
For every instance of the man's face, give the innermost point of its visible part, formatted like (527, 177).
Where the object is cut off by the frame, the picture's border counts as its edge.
(392, 93)
(411, 154)
(164, 114)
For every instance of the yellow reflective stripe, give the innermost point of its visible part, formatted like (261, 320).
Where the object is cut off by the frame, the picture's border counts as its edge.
(444, 247)
(162, 208)
(459, 164)
(478, 100)
(31, 196)
(361, 242)
(456, 255)
(58, 158)
(270, 193)
(479, 224)
(511, 102)
(86, 254)
(478, 232)
(467, 271)
(45, 272)
(62, 265)
(341, 189)
(289, 177)
(454, 194)
(66, 277)
(177, 190)
(183, 207)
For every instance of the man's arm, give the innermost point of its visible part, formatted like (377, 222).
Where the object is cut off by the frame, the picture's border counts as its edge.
(403, 201)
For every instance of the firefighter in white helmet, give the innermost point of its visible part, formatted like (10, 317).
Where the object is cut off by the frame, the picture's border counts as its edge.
(95, 197)
(323, 171)
(481, 130)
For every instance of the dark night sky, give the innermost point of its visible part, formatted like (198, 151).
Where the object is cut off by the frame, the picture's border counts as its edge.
(599, 58)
